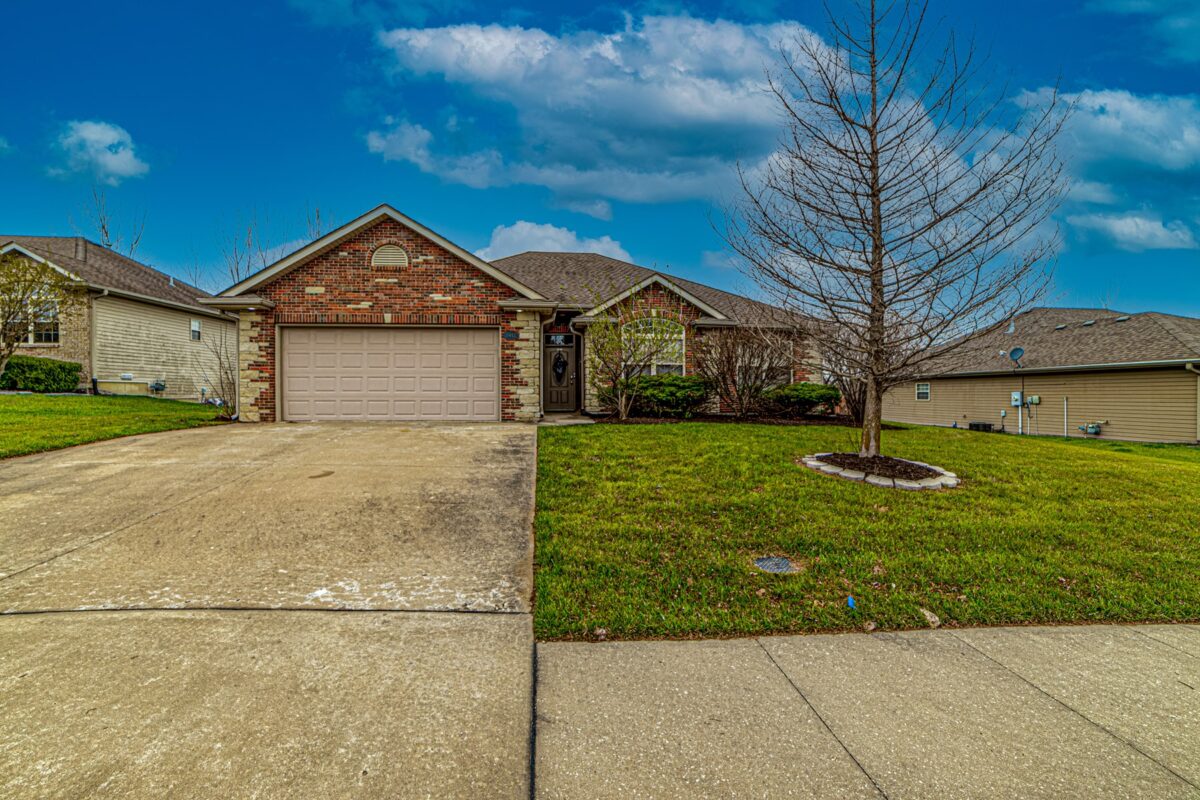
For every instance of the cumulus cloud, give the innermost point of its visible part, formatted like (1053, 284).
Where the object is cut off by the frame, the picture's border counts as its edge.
(522, 235)
(1134, 162)
(1175, 23)
(660, 110)
(101, 148)
(1137, 231)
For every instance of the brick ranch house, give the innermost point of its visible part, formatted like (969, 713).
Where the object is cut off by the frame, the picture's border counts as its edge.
(385, 319)
(137, 329)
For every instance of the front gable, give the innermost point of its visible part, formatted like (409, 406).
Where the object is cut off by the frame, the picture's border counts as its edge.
(385, 273)
(657, 291)
(403, 227)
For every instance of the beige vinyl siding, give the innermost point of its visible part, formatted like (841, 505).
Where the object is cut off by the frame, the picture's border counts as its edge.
(1150, 405)
(154, 343)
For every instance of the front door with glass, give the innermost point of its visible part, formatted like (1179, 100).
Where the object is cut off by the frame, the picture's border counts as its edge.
(559, 372)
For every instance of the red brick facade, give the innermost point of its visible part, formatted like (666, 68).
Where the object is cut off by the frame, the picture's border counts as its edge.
(340, 287)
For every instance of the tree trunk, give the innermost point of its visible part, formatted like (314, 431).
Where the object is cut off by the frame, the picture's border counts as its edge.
(872, 425)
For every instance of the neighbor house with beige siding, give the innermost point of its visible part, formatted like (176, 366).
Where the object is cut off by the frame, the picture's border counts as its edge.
(1081, 373)
(141, 331)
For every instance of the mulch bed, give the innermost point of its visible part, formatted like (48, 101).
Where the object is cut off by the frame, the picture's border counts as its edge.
(884, 466)
(824, 419)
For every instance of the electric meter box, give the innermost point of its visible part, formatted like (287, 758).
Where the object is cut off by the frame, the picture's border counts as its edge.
(1016, 399)
(1034, 400)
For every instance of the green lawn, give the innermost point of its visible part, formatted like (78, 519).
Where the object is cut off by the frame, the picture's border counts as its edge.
(650, 531)
(32, 423)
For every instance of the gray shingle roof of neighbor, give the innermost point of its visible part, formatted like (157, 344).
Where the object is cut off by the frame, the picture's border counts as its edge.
(587, 279)
(1076, 337)
(105, 269)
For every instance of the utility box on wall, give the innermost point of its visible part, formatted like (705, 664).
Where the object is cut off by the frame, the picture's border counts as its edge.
(1016, 399)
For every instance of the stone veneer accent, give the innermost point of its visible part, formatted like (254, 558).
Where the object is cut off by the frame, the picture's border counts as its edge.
(437, 288)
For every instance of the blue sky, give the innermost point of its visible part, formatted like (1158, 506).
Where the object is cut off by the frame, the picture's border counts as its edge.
(511, 127)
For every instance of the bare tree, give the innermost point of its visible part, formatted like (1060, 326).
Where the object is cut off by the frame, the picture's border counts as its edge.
(218, 368)
(106, 227)
(247, 249)
(904, 210)
(32, 294)
(741, 363)
(314, 226)
(633, 338)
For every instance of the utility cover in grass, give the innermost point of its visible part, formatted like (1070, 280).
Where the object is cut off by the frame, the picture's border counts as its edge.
(776, 564)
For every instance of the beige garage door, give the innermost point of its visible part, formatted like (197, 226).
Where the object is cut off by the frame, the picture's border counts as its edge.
(391, 373)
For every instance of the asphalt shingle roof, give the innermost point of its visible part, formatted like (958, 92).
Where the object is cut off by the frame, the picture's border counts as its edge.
(586, 279)
(1073, 337)
(103, 268)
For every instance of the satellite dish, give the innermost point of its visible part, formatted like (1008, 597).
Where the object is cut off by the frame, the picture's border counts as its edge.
(1015, 354)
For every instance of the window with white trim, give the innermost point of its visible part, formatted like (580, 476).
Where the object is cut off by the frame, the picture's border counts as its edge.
(923, 392)
(195, 330)
(654, 346)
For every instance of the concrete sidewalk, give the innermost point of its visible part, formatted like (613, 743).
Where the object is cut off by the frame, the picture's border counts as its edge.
(1067, 712)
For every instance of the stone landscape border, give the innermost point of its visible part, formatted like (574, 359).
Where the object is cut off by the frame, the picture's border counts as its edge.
(943, 480)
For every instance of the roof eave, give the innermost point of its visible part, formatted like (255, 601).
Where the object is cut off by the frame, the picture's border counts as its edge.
(1171, 362)
(243, 302)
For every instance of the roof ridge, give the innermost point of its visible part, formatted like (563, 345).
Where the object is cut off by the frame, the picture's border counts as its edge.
(1157, 317)
(652, 270)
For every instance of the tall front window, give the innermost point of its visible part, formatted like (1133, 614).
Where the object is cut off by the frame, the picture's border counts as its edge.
(654, 346)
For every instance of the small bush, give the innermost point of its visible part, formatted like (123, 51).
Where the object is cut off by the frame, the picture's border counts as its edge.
(797, 399)
(678, 396)
(28, 374)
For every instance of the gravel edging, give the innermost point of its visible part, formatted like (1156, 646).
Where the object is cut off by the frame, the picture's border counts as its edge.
(944, 479)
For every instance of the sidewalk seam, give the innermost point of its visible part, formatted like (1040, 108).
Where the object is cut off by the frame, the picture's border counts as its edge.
(1074, 711)
(1156, 640)
(821, 719)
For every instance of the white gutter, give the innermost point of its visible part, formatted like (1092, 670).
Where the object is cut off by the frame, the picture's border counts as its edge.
(1172, 362)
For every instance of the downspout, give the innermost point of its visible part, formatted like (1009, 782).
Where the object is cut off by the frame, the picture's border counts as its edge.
(92, 338)
(1191, 367)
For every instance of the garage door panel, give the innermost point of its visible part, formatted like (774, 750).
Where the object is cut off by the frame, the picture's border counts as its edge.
(390, 373)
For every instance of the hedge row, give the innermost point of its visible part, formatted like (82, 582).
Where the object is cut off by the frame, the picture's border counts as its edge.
(28, 374)
(682, 396)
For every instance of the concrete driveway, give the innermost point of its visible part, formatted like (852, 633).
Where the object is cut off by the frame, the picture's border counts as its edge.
(203, 665)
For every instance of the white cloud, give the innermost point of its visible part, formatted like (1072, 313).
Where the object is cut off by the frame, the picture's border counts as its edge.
(1137, 231)
(658, 111)
(4, 146)
(102, 148)
(1161, 131)
(522, 235)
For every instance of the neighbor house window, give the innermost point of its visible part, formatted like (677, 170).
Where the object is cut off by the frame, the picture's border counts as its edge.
(655, 346)
(922, 391)
(195, 330)
(42, 328)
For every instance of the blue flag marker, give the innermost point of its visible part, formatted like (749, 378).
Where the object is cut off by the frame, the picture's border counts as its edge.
(850, 602)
